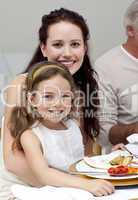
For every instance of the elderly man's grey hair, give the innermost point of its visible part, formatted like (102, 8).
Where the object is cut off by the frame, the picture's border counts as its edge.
(131, 15)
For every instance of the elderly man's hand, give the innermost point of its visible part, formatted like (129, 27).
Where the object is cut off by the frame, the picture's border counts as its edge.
(120, 146)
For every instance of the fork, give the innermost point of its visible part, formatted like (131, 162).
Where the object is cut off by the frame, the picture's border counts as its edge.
(88, 172)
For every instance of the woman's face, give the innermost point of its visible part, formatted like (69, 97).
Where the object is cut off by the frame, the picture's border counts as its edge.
(65, 44)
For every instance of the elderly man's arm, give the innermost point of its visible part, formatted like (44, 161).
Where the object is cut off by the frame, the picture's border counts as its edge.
(119, 132)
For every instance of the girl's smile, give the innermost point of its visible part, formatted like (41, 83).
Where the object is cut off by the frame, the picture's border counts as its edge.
(54, 99)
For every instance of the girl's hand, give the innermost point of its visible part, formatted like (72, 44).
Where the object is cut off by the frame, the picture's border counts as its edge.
(118, 146)
(100, 187)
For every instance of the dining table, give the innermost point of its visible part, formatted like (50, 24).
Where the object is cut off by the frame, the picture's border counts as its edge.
(126, 189)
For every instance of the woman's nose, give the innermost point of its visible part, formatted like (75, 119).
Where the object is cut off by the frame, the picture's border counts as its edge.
(67, 51)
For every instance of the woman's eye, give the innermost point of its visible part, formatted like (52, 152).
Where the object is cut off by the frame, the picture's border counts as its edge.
(75, 44)
(57, 45)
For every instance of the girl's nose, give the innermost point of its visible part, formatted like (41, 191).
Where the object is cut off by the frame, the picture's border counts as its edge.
(58, 102)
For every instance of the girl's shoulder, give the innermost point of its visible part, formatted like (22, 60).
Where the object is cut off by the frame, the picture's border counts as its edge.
(27, 133)
(72, 123)
(28, 137)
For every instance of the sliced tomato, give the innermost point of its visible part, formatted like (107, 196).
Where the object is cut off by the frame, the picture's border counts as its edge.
(119, 170)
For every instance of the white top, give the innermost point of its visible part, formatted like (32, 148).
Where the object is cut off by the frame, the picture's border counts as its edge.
(118, 83)
(61, 147)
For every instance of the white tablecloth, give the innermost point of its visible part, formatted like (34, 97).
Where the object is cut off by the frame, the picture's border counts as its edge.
(121, 194)
(53, 193)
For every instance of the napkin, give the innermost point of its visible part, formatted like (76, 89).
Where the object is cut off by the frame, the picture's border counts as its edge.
(132, 146)
(121, 194)
(49, 193)
(133, 139)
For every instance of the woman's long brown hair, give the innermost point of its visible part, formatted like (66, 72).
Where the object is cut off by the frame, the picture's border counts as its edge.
(85, 77)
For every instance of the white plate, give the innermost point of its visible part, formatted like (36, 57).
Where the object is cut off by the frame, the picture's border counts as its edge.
(82, 166)
(102, 161)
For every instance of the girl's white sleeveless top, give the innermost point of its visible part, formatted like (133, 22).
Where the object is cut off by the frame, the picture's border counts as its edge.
(61, 147)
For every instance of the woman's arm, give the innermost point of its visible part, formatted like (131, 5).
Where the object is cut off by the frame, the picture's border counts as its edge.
(16, 162)
(50, 176)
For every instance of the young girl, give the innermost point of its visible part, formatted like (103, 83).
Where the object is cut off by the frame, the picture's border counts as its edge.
(44, 130)
(63, 37)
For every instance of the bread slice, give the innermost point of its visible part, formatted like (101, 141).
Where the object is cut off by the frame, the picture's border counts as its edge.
(121, 160)
(117, 160)
(127, 160)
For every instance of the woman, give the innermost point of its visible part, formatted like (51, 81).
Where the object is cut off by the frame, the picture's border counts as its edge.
(63, 38)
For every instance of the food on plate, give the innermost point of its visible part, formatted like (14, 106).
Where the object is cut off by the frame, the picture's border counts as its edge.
(121, 160)
(127, 160)
(132, 170)
(118, 170)
(117, 160)
(134, 162)
(122, 171)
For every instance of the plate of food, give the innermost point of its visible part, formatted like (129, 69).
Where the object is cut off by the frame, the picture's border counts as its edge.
(113, 173)
(113, 159)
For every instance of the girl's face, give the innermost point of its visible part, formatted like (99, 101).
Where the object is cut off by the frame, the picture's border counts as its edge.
(53, 99)
(65, 44)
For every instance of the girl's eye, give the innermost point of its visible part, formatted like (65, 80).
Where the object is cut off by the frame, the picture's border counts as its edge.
(48, 97)
(67, 96)
(75, 44)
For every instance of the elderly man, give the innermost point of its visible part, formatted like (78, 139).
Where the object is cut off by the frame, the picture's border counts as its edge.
(118, 83)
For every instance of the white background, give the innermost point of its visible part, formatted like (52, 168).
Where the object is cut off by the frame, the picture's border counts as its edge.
(20, 20)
